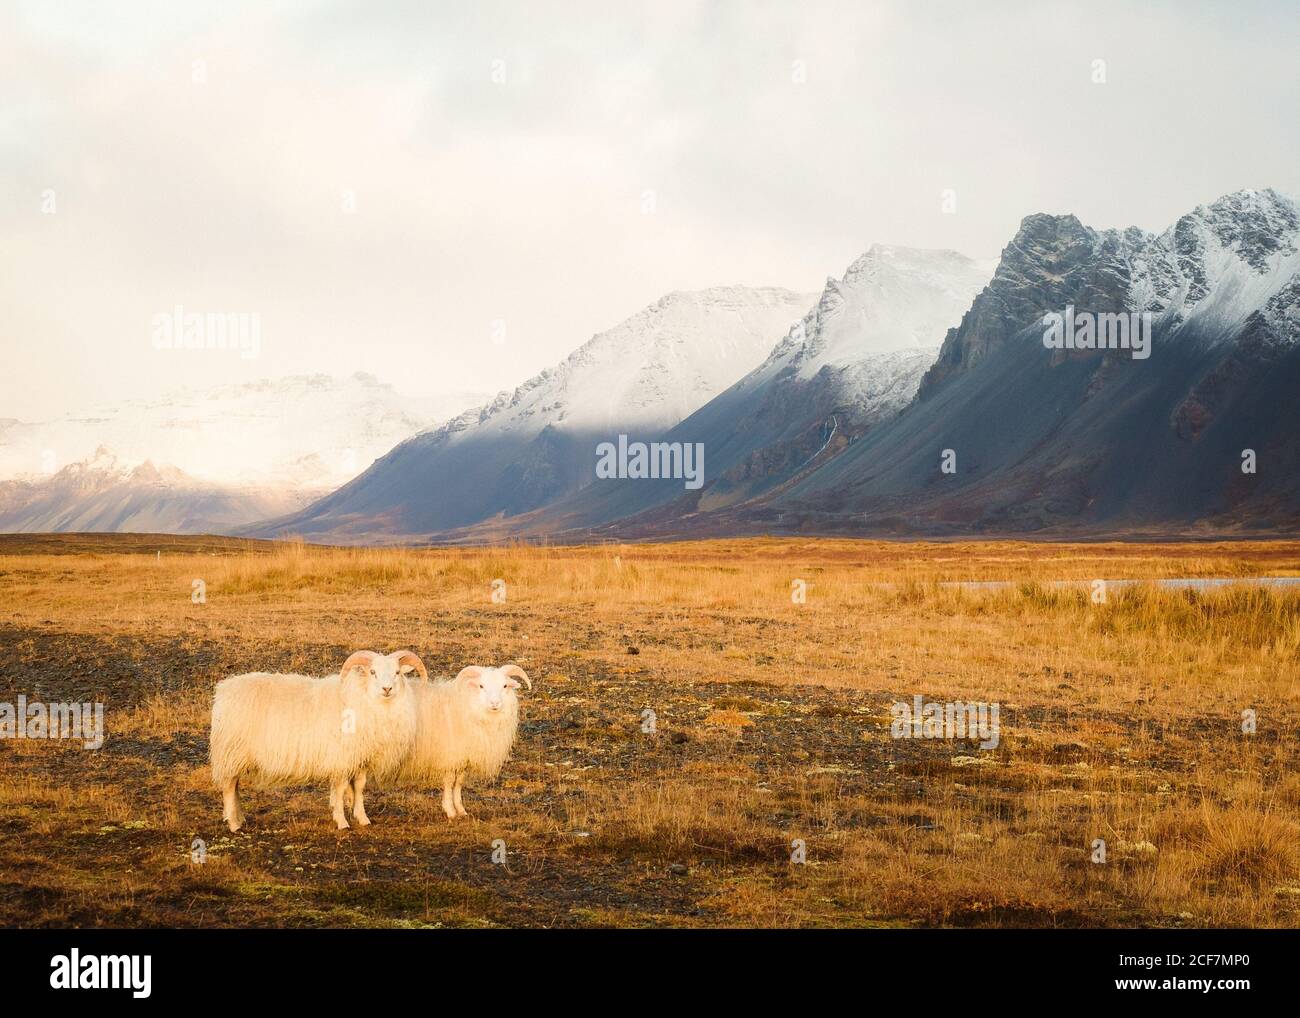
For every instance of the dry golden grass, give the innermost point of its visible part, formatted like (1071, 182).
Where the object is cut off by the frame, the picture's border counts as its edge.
(1120, 721)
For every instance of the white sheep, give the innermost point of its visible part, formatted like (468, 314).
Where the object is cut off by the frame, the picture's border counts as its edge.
(464, 727)
(288, 729)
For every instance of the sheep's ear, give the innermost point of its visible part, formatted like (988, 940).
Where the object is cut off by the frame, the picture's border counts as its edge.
(472, 673)
(518, 672)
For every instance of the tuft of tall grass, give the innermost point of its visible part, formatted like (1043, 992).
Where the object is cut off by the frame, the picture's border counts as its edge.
(1249, 845)
(1257, 617)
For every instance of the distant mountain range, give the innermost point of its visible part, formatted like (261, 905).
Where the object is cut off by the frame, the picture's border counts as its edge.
(103, 494)
(923, 393)
(204, 461)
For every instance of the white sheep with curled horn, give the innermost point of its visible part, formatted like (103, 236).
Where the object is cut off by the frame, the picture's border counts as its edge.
(465, 727)
(290, 729)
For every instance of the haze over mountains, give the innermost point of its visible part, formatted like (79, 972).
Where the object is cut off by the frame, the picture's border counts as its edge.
(204, 461)
(915, 396)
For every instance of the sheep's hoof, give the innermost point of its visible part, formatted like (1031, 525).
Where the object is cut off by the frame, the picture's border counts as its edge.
(342, 824)
(362, 821)
(234, 825)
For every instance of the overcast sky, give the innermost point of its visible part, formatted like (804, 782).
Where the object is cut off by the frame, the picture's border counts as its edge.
(556, 167)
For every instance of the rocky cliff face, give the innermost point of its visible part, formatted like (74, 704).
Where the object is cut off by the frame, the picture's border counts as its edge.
(1219, 266)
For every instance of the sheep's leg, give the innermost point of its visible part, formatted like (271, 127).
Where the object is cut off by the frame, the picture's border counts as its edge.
(336, 804)
(460, 806)
(448, 794)
(231, 813)
(358, 800)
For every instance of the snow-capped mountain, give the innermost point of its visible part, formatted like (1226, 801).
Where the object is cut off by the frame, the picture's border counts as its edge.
(1223, 269)
(1222, 263)
(101, 494)
(536, 444)
(853, 360)
(649, 371)
(860, 346)
(188, 461)
(891, 298)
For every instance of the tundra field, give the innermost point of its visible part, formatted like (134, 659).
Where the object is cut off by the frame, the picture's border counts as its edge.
(1120, 721)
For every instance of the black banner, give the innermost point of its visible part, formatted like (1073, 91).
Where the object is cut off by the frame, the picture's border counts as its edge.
(144, 968)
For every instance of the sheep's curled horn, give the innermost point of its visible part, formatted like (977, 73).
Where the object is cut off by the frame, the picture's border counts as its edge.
(409, 657)
(516, 672)
(360, 659)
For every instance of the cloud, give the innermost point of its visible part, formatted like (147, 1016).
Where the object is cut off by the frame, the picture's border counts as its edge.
(500, 157)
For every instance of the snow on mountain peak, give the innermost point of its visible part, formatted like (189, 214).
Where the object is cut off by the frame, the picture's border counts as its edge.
(1253, 224)
(1223, 262)
(649, 371)
(890, 299)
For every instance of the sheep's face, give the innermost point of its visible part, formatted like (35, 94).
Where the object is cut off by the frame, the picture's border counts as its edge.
(492, 690)
(381, 677)
(384, 681)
